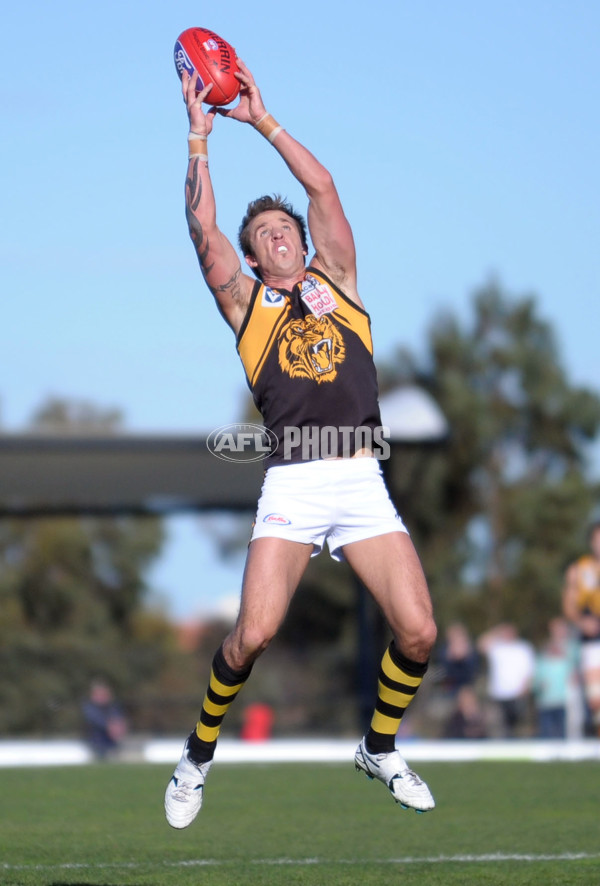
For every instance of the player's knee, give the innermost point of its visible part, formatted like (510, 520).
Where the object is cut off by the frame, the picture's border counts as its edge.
(425, 639)
(417, 643)
(252, 642)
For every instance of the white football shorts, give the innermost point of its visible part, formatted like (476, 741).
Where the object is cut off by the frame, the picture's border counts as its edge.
(339, 500)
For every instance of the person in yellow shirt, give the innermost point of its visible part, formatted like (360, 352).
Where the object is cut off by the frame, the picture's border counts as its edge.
(581, 606)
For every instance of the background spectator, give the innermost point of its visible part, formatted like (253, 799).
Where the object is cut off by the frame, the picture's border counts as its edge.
(104, 722)
(511, 662)
(459, 660)
(581, 606)
(554, 678)
(468, 719)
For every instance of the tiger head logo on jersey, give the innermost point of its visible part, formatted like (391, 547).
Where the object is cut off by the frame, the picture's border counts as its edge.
(311, 348)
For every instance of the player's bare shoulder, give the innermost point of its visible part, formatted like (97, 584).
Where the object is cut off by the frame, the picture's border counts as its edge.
(233, 297)
(344, 278)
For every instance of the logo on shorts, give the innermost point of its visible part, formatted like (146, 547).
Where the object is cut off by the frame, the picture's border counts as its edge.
(277, 518)
(242, 442)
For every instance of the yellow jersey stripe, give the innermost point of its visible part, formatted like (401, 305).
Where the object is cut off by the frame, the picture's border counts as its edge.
(257, 340)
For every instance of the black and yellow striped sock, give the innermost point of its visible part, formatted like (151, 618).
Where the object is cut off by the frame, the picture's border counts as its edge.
(224, 685)
(399, 679)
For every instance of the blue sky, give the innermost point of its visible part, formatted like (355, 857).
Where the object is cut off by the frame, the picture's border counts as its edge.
(464, 139)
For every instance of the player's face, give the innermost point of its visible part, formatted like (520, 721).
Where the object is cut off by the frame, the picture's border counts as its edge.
(276, 244)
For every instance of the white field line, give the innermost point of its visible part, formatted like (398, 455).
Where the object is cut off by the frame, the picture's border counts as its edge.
(302, 862)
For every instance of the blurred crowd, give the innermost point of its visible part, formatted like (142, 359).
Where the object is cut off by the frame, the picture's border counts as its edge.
(495, 685)
(500, 685)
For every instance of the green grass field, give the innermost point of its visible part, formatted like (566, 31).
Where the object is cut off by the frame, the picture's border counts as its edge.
(323, 825)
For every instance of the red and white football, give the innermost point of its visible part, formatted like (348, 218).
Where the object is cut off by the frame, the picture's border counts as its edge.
(215, 60)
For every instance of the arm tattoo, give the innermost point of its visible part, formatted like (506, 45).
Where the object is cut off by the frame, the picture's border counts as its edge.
(193, 188)
(232, 286)
(193, 192)
(194, 185)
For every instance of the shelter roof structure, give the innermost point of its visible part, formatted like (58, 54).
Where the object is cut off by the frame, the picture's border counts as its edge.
(44, 474)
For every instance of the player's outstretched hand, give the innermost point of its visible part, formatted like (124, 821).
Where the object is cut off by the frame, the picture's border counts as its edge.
(200, 122)
(250, 107)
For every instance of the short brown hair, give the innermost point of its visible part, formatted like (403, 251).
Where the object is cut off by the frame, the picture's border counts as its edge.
(266, 204)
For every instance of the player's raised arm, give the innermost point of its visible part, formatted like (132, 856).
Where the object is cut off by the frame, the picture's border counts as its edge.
(218, 259)
(329, 228)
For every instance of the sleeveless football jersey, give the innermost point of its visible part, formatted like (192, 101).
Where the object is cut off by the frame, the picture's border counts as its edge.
(308, 359)
(588, 585)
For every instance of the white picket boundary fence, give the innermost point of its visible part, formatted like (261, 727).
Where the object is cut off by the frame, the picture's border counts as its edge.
(57, 752)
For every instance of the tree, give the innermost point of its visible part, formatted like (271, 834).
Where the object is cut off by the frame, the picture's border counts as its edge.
(495, 512)
(72, 594)
(498, 512)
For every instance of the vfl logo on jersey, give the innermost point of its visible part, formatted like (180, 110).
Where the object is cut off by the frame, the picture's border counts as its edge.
(317, 297)
(279, 519)
(311, 348)
(271, 298)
